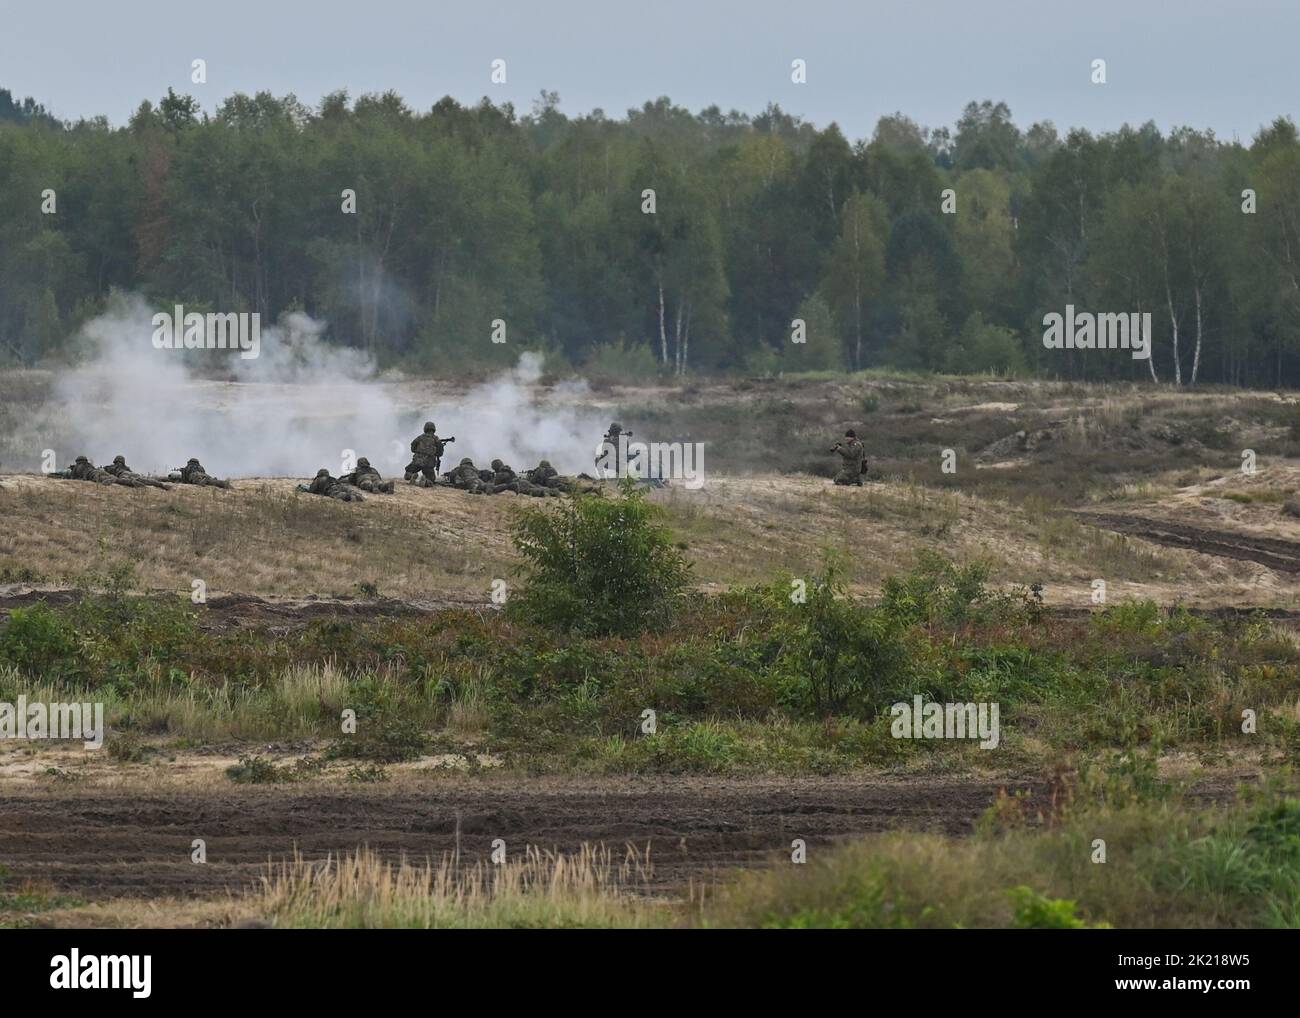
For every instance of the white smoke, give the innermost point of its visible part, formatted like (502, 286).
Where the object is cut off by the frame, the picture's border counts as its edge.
(301, 405)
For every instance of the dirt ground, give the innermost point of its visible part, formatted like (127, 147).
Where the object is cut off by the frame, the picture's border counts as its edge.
(133, 842)
(440, 545)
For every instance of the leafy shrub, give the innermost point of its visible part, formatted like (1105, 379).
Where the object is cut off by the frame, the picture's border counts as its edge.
(622, 363)
(598, 565)
(386, 737)
(1034, 911)
(940, 592)
(254, 770)
(39, 640)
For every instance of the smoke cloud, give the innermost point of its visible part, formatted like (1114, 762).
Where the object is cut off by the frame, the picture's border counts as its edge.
(301, 405)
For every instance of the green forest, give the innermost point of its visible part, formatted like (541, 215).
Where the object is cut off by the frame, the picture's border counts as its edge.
(665, 242)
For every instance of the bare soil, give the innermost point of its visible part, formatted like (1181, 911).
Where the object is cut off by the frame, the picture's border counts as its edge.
(137, 844)
(1282, 556)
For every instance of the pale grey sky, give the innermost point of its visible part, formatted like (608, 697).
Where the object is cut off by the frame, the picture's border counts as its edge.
(1226, 66)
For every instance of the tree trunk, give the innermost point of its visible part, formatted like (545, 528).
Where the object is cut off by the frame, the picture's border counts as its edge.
(1151, 354)
(677, 340)
(663, 332)
(1173, 320)
(686, 340)
(857, 296)
(1196, 357)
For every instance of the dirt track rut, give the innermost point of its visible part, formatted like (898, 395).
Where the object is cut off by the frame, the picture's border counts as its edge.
(116, 843)
(1283, 556)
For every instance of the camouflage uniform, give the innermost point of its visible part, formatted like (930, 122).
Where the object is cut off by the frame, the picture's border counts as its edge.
(466, 477)
(854, 456)
(426, 454)
(367, 478)
(126, 475)
(611, 439)
(83, 470)
(543, 474)
(503, 479)
(331, 487)
(543, 480)
(193, 473)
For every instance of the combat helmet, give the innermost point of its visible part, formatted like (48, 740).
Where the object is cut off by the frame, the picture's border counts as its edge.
(430, 428)
(363, 462)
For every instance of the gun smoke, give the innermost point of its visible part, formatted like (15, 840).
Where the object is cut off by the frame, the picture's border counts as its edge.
(301, 405)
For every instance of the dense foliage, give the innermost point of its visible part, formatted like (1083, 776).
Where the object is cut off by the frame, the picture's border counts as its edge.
(469, 214)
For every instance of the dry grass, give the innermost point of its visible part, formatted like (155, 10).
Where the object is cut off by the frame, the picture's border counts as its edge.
(263, 538)
(536, 889)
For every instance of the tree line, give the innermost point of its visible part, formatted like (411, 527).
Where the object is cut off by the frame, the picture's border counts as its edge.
(666, 241)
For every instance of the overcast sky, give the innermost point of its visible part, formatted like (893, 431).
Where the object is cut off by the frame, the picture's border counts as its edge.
(1226, 66)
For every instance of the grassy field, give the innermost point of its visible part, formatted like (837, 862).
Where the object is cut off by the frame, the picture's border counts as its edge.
(356, 649)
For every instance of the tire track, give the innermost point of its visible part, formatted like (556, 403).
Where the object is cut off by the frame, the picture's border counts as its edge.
(1281, 556)
(107, 844)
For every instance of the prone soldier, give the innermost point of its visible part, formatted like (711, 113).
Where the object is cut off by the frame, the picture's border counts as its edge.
(465, 476)
(367, 478)
(331, 487)
(193, 473)
(122, 472)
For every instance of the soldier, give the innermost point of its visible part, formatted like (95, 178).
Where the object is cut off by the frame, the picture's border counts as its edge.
(83, 470)
(331, 487)
(525, 485)
(503, 479)
(466, 477)
(120, 470)
(546, 476)
(426, 454)
(367, 478)
(611, 439)
(543, 474)
(855, 459)
(193, 473)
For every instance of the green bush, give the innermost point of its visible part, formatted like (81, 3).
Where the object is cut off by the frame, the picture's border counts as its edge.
(622, 362)
(939, 592)
(39, 640)
(598, 565)
(1034, 911)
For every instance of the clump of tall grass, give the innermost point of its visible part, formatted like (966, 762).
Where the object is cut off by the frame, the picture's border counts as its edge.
(588, 888)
